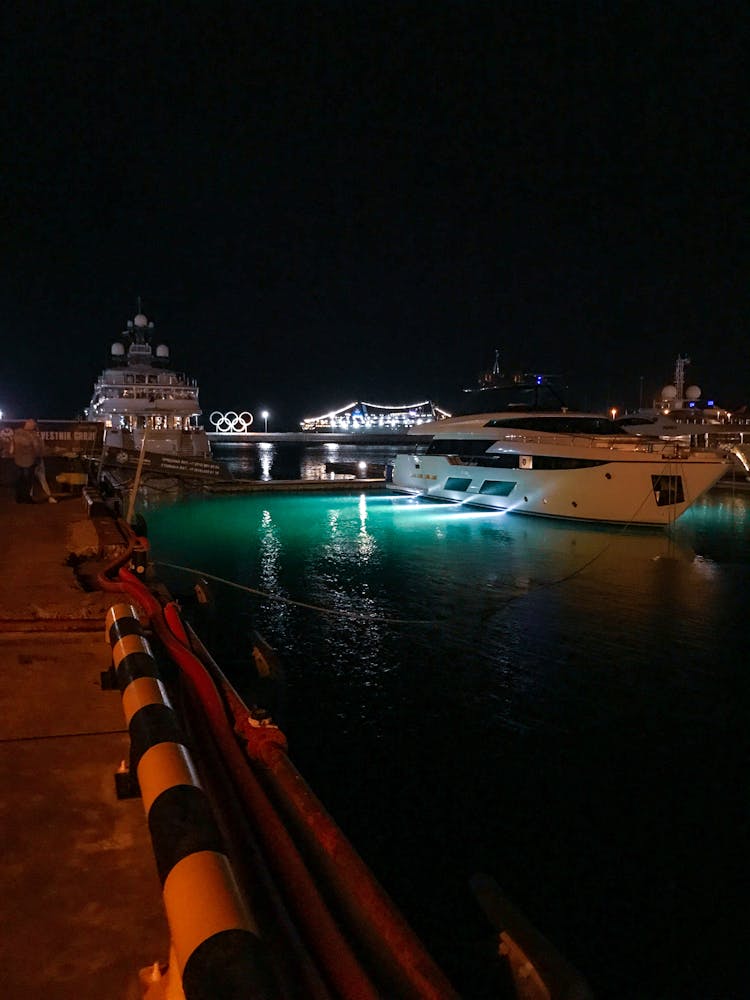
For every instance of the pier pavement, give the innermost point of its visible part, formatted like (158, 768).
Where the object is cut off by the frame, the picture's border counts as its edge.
(81, 908)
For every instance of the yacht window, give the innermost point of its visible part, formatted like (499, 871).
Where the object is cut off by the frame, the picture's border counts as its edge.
(635, 421)
(510, 460)
(668, 490)
(498, 461)
(497, 487)
(458, 446)
(558, 462)
(562, 424)
(459, 485)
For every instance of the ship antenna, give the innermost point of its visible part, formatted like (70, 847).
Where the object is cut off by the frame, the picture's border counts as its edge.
(679, 375)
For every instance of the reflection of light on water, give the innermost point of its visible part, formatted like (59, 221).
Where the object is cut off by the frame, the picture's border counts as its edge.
(270, 551)
(271, 564)
(392, 500)
(366, 542)
(341, 547)
(706, 567)
(462, 513)
(266, 459)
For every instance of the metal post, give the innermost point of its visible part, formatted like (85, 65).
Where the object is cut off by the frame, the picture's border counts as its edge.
(137, 481)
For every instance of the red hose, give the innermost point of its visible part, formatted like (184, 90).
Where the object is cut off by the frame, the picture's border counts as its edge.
(396, 947)
(368, 907)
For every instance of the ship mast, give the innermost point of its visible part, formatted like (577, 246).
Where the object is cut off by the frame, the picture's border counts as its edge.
(679, 377)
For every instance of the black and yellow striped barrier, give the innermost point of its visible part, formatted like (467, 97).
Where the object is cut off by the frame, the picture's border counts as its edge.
(214, 938)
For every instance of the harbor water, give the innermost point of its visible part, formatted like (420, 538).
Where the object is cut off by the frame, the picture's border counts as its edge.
(560, 707)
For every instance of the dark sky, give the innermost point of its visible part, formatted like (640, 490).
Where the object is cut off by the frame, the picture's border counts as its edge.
(325, 201)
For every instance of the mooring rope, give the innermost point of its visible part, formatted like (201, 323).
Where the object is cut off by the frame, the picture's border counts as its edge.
(358, 615)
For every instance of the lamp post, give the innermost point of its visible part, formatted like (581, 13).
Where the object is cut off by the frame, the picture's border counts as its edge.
(264, 414)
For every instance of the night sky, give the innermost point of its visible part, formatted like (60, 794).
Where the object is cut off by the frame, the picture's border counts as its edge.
(319, 202)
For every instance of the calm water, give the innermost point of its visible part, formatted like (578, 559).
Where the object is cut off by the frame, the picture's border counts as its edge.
(563, 708)
(268, 460)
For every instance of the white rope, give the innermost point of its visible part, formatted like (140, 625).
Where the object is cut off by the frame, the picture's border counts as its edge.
(299, 604)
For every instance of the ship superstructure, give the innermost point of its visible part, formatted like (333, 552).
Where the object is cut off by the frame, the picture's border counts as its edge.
(139, 393)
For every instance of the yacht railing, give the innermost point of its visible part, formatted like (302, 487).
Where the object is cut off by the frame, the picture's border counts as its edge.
(614, 443)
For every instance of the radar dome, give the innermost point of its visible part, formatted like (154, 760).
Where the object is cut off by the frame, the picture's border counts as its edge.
(118, 350)
(140, 320)
(669, 392)
(162, 351)
(693, 392)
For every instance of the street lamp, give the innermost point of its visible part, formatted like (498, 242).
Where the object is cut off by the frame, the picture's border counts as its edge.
(613, 411)
(264, 414)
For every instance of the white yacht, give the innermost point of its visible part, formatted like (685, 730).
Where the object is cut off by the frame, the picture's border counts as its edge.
(522, 450)
(680, 413)
(149, 409)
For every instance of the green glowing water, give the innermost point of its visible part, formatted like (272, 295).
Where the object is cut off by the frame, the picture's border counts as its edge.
(560, 706)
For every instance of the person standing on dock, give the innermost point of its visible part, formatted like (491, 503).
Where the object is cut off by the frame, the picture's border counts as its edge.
(27, 451)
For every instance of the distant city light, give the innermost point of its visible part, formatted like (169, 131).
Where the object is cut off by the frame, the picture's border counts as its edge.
(362, 416)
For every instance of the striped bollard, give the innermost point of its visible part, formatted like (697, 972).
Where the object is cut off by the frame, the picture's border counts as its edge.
(214, 939)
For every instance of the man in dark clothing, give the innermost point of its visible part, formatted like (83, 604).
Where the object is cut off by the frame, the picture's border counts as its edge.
(27, 450)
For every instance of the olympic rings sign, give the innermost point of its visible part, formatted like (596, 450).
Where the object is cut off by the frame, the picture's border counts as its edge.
(231, 422)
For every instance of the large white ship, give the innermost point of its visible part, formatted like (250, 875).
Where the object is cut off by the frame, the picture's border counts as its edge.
(520, 449)
(150, 411)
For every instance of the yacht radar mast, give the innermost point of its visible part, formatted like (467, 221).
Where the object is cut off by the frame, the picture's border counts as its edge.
(679, 375)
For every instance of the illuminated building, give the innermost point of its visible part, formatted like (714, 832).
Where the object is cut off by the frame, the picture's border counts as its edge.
(359, 416)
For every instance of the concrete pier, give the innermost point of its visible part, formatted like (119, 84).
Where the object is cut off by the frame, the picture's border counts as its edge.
(81, 905)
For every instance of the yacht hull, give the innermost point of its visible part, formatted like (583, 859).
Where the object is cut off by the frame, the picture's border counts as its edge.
(635, 489)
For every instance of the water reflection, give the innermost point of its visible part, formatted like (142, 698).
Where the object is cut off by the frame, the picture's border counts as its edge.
(266, 456)
(266, 460)
(575, 685)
